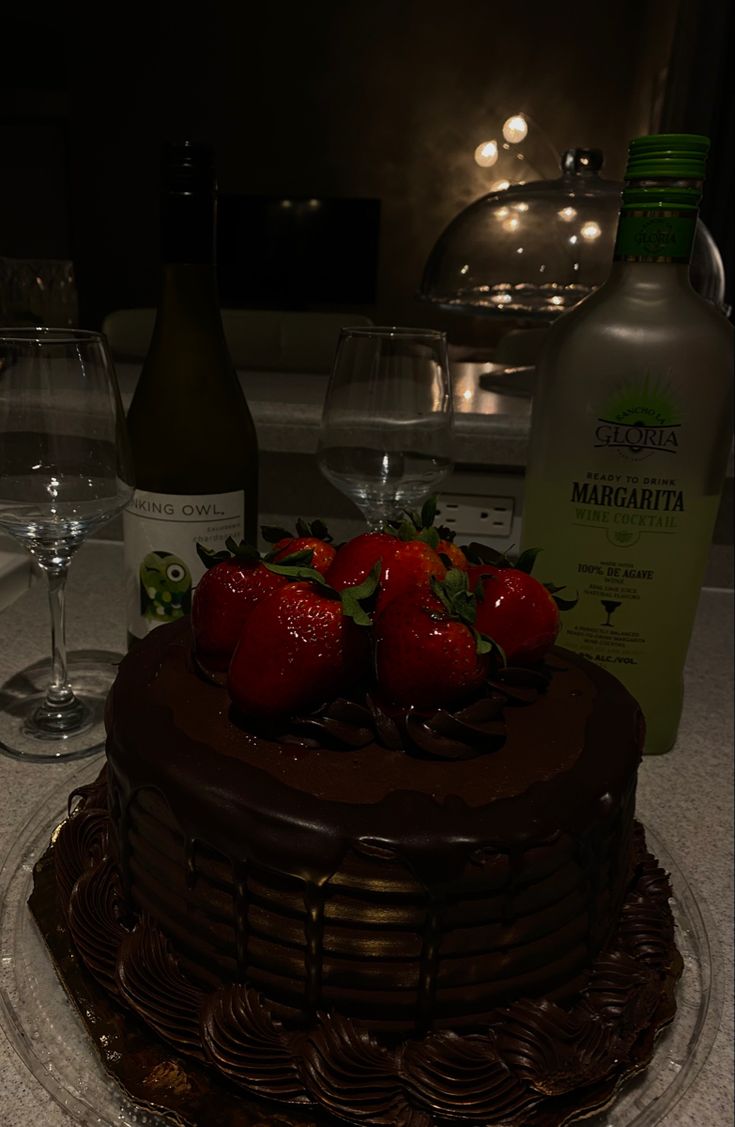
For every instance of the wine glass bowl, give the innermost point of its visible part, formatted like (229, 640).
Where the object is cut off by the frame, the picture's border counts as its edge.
(64, 472)
(386, 430)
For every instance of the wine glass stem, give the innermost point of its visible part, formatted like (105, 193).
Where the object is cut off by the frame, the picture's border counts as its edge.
(60, 711)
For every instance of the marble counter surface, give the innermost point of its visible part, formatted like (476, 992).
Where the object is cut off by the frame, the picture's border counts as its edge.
(686, 797)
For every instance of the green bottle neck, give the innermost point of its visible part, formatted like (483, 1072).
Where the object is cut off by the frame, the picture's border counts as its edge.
(658, 221)
(655, 235)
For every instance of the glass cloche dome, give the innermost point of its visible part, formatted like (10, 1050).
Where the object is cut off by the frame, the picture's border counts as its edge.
(534, 250)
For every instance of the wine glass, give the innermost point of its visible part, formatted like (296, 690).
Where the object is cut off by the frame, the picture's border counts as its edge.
(386, 430)
(64, 471)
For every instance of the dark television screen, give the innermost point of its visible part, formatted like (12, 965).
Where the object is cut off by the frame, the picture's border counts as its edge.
(293, 252)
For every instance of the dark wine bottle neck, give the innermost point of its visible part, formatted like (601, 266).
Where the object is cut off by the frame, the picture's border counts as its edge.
(188, 227)
(189, 293)
(188, 280)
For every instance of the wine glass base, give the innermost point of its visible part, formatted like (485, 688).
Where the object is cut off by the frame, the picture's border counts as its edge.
(91, 673)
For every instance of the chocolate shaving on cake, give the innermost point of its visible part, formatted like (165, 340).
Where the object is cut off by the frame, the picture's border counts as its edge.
(474, 729)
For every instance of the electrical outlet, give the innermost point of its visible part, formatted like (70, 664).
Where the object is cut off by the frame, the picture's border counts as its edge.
(476, 516)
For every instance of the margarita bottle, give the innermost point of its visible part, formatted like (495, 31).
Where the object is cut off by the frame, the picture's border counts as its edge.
(630, 435)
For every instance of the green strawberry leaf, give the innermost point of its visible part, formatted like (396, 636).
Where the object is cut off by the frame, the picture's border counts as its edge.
(483, 645)
(353, 597)
(527, 559)
(299, 571)
(210, 558)
(461, 603)
(565, 604)
(404, 529)
(482, 553)
(320, 530)
(418, 526)
(317, 529)
(232, 550)
(428, 512)
(293, 559)
(487, 645)
(562, 604)
(272, 534)
(455, 596)
(429, 536)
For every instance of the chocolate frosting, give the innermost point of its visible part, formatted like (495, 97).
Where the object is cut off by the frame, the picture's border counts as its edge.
(396, 916)
(510, 1072)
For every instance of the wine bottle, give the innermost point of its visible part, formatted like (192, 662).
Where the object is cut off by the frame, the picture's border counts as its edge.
(630, 434)
(192, 436)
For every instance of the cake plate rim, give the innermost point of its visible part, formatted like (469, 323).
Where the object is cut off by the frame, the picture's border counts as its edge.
(29, 1019)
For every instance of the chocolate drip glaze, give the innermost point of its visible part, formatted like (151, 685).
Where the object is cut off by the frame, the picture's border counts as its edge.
(241, 918)
(321, 869)
(509, 1072)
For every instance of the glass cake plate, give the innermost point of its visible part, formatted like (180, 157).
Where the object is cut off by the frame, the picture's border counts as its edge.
(51, 1041)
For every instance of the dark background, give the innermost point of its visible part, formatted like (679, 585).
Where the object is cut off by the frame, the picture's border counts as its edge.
(383, 100)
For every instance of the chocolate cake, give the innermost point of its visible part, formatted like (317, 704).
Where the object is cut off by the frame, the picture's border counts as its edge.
(400, 921)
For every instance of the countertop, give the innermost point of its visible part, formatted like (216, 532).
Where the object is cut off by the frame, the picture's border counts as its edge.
(685, 797)
(490, 428)
(492, 411)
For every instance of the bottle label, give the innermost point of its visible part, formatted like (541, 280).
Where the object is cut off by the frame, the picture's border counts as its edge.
(162, 566)
(655, 236)
(623, 511)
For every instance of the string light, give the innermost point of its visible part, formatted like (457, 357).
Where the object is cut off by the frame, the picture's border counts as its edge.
(515, 129)
(590, 230)
(486, 154)
(500, 185)
(567, 214)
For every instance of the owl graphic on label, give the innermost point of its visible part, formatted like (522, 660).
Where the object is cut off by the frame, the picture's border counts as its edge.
(165, 587)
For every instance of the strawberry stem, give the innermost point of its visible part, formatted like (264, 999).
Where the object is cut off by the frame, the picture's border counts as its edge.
(354, 597)
(318, 529)
(453, 592)
(245, 553)
(351, 598)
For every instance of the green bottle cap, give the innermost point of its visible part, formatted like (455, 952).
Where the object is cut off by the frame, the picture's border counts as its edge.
(679, 156)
